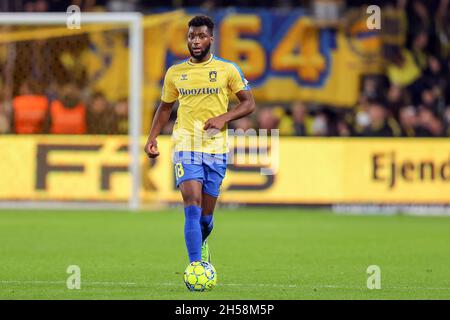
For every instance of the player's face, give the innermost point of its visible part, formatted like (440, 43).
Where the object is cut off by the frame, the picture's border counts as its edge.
(199, 41)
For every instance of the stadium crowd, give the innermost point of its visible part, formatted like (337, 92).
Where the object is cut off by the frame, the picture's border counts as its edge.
(62, 110)
(410, 99)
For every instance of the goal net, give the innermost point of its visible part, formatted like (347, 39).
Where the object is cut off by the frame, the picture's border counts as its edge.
(74, 100)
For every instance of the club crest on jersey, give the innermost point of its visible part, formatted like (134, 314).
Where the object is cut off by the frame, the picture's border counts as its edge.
(184, 77)
(213, 76)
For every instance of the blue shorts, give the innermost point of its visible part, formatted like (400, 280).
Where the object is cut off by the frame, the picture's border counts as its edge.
(209, 169)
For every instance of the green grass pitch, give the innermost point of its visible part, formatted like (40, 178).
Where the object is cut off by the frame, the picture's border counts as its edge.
(259, 253)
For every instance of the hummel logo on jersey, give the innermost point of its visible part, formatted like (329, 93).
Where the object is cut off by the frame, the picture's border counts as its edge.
(184, 77)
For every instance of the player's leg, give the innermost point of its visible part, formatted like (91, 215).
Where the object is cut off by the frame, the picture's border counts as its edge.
(189, 178)
(191, 190)
(214, 170)
(207, 223)
(214, 175)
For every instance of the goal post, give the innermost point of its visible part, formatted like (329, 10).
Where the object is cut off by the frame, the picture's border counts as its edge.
(133, 20)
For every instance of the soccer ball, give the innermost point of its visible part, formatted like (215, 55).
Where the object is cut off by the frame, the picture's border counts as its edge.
(200, 276)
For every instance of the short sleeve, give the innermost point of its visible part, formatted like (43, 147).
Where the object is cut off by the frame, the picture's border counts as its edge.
(237, 82)
(169, 91)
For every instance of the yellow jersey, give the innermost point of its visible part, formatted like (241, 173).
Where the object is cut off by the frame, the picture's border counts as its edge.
(407, 73)
(202, 90)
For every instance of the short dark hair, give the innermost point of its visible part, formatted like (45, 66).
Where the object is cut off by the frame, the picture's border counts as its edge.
(199, 21)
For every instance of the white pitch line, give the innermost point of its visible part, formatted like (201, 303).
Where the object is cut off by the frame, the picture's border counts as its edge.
(262, 285)
(149, 285)
(100, 283)
(243, 285)
(313, 287)
(106, 283)
(364, 288)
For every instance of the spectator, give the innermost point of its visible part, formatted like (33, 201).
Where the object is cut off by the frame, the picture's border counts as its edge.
(266, 119)
(343, 128)
(396, 98)
(30, 109)
(67, 114)
(285, 122)
(29, 6)
(370, 87)
(408, 121)
(430, 87)
(4, 117)
(431, 125)
(4, 123)
(447, 120)
(338, 122)
(442, 22)
(41, 6)
(121, 114)
(362, 118)
(299, 113)
(100, 116)
(428, 97)
(418, 17)
(121, 5)
(243, 124)
(401, 68)
(434, 77)
(447, 81)
(380, 123)
(418, 50)
(320, 125)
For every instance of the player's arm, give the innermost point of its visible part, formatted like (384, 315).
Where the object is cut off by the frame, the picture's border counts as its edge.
(245, 106)
(162, 116)
(168, 97)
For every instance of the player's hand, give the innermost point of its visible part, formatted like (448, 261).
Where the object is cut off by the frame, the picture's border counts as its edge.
(215, 123)
(151, 148)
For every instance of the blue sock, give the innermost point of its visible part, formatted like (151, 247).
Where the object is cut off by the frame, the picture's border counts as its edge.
(193, 232)
(207, 224)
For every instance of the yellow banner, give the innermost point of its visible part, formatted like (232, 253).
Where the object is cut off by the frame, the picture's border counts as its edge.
(285, 56)
(307, 171)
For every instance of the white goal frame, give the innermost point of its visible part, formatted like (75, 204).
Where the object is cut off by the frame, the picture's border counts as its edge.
(134, 22)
